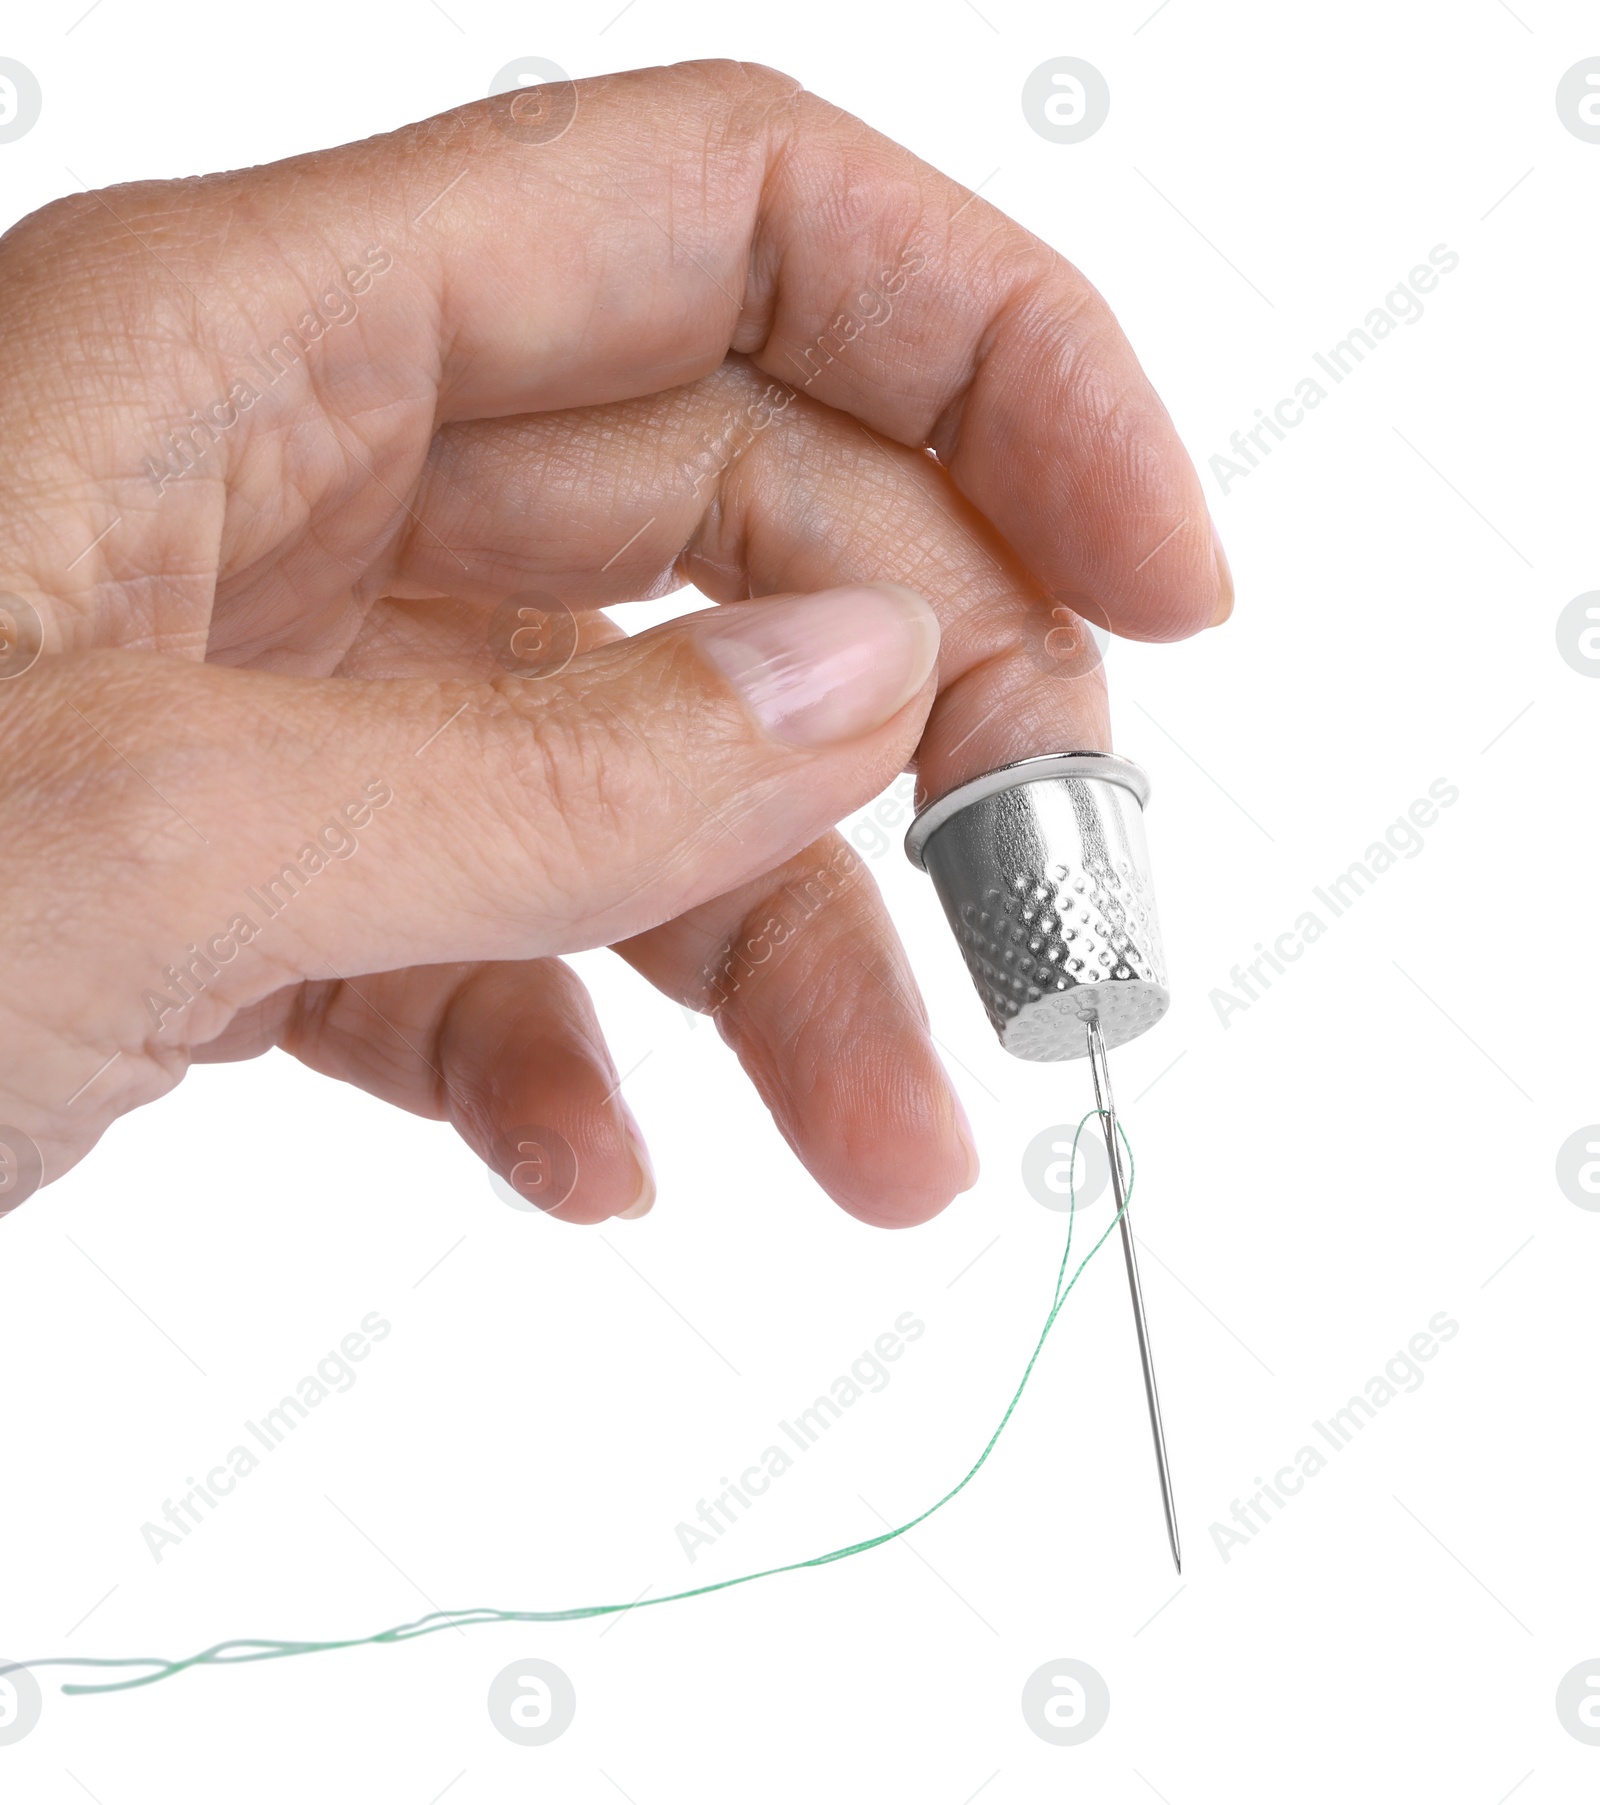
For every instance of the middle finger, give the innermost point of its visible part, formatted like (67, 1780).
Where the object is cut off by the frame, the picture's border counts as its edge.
(748, 488)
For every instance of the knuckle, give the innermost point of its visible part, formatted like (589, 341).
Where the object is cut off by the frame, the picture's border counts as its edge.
(611, 800)
(575, 802)
(732, 78)
(86, 241)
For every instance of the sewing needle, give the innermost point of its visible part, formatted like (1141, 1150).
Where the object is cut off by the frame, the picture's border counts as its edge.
(1106, 1105)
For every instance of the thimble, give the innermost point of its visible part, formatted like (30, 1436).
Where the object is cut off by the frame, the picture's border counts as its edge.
(1044, 875)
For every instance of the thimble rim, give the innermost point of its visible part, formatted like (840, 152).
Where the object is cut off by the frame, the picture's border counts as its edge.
(1107, 767)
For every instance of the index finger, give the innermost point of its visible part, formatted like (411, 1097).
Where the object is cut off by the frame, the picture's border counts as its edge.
(640, 227)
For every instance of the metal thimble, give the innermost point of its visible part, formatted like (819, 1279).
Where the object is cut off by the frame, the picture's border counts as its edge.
(1044, 874)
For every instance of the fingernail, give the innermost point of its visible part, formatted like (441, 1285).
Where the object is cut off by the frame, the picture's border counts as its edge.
(1224, 579)
(644, 1202)
(817, 669)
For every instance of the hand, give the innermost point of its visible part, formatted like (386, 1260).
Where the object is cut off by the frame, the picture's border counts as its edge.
(303, 763)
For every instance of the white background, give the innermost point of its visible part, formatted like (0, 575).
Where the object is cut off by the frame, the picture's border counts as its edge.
(1363, 1147)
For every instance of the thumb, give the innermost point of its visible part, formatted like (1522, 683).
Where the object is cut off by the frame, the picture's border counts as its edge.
(233, 831)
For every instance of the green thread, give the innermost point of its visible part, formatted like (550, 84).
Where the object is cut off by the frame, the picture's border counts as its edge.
(226, 1654)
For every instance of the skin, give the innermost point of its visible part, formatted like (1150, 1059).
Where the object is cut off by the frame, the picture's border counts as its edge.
(551, 385)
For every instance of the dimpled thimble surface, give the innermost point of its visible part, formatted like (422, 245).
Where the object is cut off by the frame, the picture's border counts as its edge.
(1044, 874)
